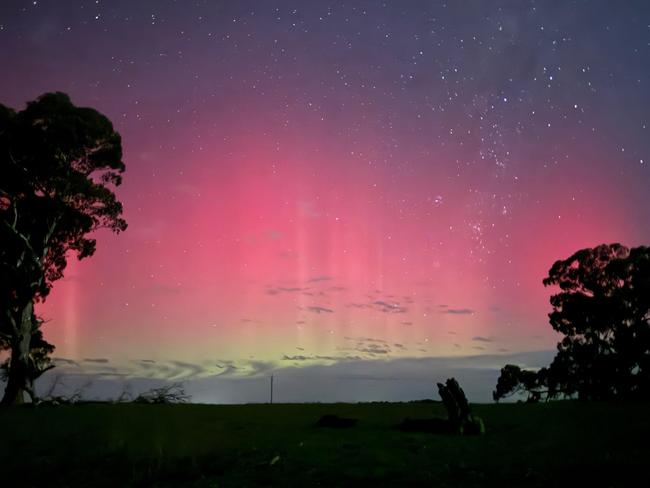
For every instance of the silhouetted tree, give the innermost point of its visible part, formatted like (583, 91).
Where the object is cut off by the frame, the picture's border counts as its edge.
(172, 393)
(603, 311)
(513, 380)
(58, 164)
(39, 361)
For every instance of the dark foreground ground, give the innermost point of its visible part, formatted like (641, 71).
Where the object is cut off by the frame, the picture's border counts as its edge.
(557, 444)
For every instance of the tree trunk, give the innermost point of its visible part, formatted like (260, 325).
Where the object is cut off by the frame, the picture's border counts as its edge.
(19, 381)
(448, 400)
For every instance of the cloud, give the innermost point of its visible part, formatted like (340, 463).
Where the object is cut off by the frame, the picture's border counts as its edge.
(145, 364)
(228, 368)
(365, 339)
(373, 349)
(66, 361)
(482, 339)
(340, 379)
(182, 369)
(458, 311)
(370, 345)
(94, 366)
(318, 309)
(298, 357)
(301, 357)
(256, 368)
(275, 290)
(389, 307)
(336, 288)
(188, 371)
(386, 306)
(316, 279)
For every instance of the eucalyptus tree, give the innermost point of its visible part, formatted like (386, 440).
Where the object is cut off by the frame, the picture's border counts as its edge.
(59, 166)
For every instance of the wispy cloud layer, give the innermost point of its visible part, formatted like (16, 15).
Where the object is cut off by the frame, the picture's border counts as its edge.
(319, 309)
(299, 378)
(458, 311)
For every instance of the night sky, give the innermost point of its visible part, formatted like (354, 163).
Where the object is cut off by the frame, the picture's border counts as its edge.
(322, 184)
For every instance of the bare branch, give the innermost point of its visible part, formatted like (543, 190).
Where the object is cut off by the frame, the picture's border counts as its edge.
(25, 240)
(173, 393)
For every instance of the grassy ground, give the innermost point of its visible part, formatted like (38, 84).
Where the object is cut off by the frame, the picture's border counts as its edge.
(556, 444)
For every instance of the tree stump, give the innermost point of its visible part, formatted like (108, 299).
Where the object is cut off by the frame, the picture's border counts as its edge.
(459, 414)
(448, 400)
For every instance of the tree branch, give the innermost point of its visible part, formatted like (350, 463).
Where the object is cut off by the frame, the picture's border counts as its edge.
(12, 322)
(48, 236)
(35, 183)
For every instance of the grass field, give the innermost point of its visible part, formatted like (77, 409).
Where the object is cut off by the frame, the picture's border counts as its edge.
(555, 444)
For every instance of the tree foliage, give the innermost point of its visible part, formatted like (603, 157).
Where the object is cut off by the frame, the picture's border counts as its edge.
(603, 310)
(58, 166)
(514, 380)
